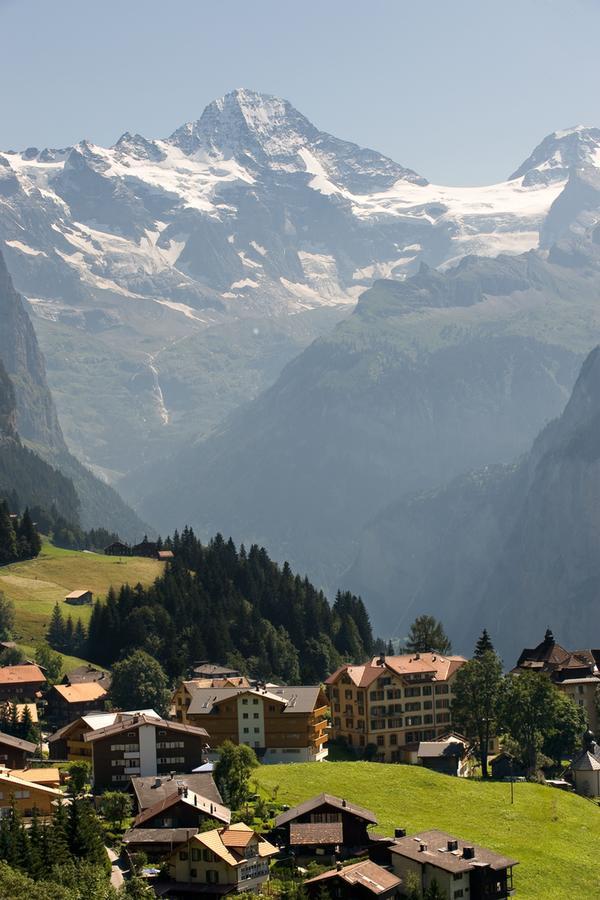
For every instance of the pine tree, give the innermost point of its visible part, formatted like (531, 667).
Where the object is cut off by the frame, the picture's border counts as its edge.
(427, 635)
(68, 635)
(483, 645)
(8, 538)
(56, 629)
(27, 728)
(27, 534)
(58, 849)
(14, 726)
(79, 638)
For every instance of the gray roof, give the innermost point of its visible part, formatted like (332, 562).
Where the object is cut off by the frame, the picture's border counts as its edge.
(586, 762)
(158, 835)
(133, 722)
(435, 749)
(437, 852)
(297, 699)
(19, 743)
(152, 789)
(325, 800)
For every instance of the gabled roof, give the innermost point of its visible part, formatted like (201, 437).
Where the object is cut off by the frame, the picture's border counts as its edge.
(97, 720)
(48, 775)
(368, 875)
(21, 674)
(436, 852)
(585, 762)
(76, 595)
(87, 673)
(8, 781)
(439, 749)
(82, 692)
(189, 798)
(437, 665)
(295, 699)
(132, 722)
(10, 741)
(325, 800)
(316, 833)
(229, 843)
(151, 789)
(361, 676)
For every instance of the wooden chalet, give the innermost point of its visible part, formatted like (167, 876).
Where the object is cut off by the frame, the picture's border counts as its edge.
(324, 826)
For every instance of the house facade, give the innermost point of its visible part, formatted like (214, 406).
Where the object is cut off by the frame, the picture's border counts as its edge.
(26, 796)
(15, 752)
(21, 682)
(233, 859)
(68, 702)
(324, 825)
(142, 745)
(393, 703)
(68, 743)
(281, 724)
(461, 869)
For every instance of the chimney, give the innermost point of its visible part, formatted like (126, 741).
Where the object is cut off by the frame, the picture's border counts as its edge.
(339, 867)
(417, 655)
(381, 660)
(452, 845)
(344, 803)
(195, 799)
(422, 847)
(468, 853)
(157, 783)
(399, 832)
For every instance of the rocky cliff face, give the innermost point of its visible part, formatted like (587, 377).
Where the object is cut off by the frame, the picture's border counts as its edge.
(513, 549)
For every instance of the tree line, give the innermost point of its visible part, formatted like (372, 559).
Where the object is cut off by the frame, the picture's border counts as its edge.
(19, 538)
(236, 606)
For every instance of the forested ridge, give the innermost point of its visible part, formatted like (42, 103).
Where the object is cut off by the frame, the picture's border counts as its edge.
(236, 606)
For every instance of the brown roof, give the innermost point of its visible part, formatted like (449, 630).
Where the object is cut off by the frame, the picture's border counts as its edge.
(158, 835)
(25, 674)
(311, 833)
(132, 722)
(150, 790)
(440, 668)
(367, 874)
(196, 801)
(166, 554)
(75, 595)
(19, 743)
(82, 692)
(438, 854)
(295, 699)
(325, 800)
(361, 676)
(38, 776)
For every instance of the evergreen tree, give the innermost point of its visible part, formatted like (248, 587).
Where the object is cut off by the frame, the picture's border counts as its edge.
(68, 635)
(7, 618)
(27, 534)
(56, 629)
(79, 638)
(483, 645)
(427, 635)
(477, 701)
(28, 731)
(8, 538)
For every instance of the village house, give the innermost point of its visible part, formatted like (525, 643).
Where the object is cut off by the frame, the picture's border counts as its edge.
(281, 724)
(142, 745)
(324, 826)
(79, 598)
(212, 671)
(392, 703)
(87, 673)
(49, 776)
(171, 820)
(117, 548)
(151, 790)
(15, 752)
(358, 881)
(461, 869)
(576, 673)
(26, 796)
(226, 860)
(67, 702)
(21, 682)
(449, 755)
(68, 743)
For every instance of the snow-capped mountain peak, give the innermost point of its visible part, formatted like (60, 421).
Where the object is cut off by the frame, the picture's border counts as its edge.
(559, 154)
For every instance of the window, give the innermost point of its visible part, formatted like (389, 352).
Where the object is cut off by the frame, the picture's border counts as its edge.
(183, 855)
(413, 720)
(376, 695)
(335, 693)
(412, 692)
(427, 690)
(22, 795)
(442, 704)
(441, 688)
(428, 704)
(380, 740)
(196, 854)
(256, 715)
(348, 695)
(255, 702)
(395, 723)
(459, 893)
(412, 707)
(245, 701)
(256, 730)
(271, 707)
(349, 723)
(194, 873)
(131, 734)
(393, 740)
(207, 856)
(162, 733)
(246, 730)
(244, 715)
(580, 688)
(427, 719)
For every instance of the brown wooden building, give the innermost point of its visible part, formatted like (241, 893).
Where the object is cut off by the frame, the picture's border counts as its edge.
(359, 881)
(143, 745)
(15, 752)
(68, 702)
(151, 790)
(68, 742)
(325, 824)
(282, 724)
(21, 682)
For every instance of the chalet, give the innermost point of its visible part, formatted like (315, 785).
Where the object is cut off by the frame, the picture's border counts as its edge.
(21, 682)
(359, 881)
(505, 765)
(449, 756)
(456, 866)
(87, 673)
(233, 859)
(68, 742)
(26, 796)
(213, 671)
(15, 752)
(174, 818)
(68, 702)
(79, 598)
(165, 555)
(324, 826)
(392, 703)
(46, 776)
(286, 724)
(150, 791)
(145, 548)
(142, 745)
(576, 673)
(117, 548)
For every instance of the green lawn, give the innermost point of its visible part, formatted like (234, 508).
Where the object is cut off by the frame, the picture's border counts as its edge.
(555, 836)
(35, 586)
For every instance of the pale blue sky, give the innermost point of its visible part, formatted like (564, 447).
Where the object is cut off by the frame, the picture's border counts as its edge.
(460, 90)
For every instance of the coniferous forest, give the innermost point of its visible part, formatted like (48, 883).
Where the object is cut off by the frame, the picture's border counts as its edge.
(231, 605)
(19, 538)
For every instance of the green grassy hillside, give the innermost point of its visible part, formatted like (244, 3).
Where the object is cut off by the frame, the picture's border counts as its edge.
(555, 836)
(35, 586)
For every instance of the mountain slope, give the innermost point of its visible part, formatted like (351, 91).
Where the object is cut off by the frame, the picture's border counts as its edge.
(428, 378)
(29, 412)
(130, 253)
(514, 549)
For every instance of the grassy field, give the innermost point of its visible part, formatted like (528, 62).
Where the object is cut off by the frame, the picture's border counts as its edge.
(555, 836)
(36, 585)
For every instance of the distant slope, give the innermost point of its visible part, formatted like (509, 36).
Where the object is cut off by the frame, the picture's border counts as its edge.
(537, 830)
(36, 585)
(36, 422)
(428, 378)
(515, 549)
